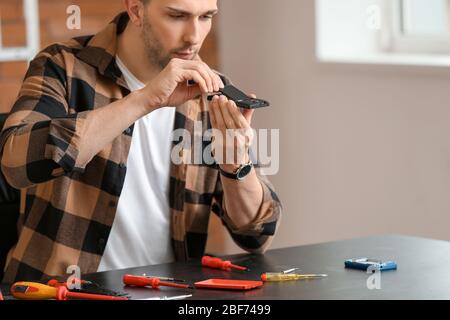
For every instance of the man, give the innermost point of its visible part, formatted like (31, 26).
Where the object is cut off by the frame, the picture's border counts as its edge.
(88, 142)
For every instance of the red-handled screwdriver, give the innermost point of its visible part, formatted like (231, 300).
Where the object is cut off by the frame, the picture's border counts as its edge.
(140, 281)
(217, 263)
(55, 283)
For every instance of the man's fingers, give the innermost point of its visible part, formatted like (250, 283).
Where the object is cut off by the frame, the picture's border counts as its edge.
(239, 119)
(215, 109)
(231, 115)
(219, 81)
(224, 106)
(205, 75)
(203, 69)
(197, 77)
(212, 117)
(214, 77)
(221, 84)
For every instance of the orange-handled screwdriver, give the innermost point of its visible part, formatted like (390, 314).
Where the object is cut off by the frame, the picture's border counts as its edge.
(38, 291)
(217, 263)
(140, 281)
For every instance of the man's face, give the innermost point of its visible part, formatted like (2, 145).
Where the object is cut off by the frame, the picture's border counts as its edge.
(176, 29)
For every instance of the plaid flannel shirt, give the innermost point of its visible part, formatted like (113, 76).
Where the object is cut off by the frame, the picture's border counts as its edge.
(67, 207)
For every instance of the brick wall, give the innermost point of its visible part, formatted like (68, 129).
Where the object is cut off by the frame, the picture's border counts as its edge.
(95, 14)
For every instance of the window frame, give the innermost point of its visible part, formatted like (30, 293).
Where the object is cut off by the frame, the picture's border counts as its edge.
(31, 15)
(399, 42)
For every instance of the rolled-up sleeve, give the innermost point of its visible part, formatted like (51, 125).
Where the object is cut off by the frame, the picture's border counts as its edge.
(256, 236)
(41, 140)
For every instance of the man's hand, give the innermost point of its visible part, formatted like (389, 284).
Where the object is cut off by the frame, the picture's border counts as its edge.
(235, 130)
(170, 88)
(242, 198)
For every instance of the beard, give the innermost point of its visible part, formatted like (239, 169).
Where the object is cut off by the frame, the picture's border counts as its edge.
(154, 50)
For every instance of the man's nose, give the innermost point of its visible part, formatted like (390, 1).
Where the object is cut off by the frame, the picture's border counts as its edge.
(192, 33)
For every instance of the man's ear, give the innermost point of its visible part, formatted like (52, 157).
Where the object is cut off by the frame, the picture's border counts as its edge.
(135, 9)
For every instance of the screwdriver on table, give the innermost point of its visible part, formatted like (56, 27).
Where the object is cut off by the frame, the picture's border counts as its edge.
(140, 281)
(164, 278)
(276, 276)
(55, 283)
(39, 291)
(88, 287)
(217, 263)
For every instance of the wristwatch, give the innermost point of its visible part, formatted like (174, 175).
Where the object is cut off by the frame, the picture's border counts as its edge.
(240, 173)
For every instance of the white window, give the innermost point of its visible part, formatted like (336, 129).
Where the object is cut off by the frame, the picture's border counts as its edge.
(421, 26)
(31, 14)
(413, 32)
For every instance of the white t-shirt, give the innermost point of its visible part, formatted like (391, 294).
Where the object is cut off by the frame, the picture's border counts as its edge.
(140, 233)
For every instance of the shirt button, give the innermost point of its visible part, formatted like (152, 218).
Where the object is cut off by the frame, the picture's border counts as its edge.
(122, 165)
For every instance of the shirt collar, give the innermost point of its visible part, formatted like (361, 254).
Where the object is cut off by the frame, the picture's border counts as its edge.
(101, 49)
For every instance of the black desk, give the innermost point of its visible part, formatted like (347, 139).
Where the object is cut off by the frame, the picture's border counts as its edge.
(423, 272)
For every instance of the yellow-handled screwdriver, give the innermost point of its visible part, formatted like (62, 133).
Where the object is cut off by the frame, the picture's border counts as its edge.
(38, 291)
(276, 276)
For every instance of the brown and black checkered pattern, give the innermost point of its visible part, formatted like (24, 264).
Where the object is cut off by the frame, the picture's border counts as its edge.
(68, 208)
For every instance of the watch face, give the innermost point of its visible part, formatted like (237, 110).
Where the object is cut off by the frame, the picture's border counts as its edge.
(244, 171)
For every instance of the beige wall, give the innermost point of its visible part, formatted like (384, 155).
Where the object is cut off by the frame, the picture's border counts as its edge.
(364, 149)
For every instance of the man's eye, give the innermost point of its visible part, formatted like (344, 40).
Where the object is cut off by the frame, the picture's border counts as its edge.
(178, 16)
(207, 17)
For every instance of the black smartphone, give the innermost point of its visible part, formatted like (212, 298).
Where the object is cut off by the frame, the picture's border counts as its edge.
(240, 98)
